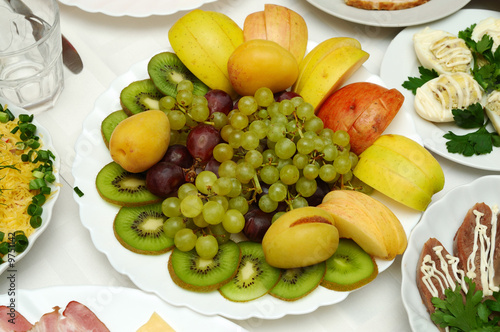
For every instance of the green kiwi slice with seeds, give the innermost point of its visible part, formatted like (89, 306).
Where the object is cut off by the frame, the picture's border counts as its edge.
(140, 96)
(140, 229)
(166, 70)
(255, 277)
(350, 267)
(109, 123)
(193, 273)
(298, 282)
(118, 186)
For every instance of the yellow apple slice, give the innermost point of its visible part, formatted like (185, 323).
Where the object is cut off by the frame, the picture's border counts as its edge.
(254, 26)
(300, 237)
(277, 20)
(355, 223)
(417, 154)
(391, 182)
(398, 163)
(330, 73)
(299, 35)
(318, 53)
(204, 41)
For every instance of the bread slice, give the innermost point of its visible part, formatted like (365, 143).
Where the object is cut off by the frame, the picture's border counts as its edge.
(477, 245)
(437, 270)
(385, 4)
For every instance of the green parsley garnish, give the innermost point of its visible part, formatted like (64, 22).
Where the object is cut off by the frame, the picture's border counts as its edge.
(486, 69)
(413, 83)
(475, 143)
(471, 314)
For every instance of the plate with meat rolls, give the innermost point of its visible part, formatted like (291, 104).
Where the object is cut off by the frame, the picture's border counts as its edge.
(457, 238)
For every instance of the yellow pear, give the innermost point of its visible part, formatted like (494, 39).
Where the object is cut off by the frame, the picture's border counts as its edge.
(140, 141)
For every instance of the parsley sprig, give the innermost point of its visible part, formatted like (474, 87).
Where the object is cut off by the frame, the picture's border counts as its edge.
(471, 314)
(486, 68)
(413, 83)
(475, 143)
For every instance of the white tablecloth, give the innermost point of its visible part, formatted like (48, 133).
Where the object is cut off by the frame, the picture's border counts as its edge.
(65, 254)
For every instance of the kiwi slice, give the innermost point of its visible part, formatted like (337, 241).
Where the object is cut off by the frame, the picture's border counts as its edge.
(140, 229)
(109, 123)
(166, 70)
(118, 186)
(350, 267)
(298, 282)
(193, 273)
(255, 277)
(140, 96)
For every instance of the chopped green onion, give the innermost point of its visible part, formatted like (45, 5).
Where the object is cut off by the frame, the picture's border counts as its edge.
(4, 117)
(2, 234)
(45, 190)
(49, 177)
(4, 248)
(38, 174)
(36, 221)
(78, 191)
(21, 241)
(37, 184)
(35, 210)
(39, 199)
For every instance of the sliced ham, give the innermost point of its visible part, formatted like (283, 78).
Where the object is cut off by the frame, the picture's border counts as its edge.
(437, 270)
(385, 4)
(79, 316)
(76, 317)
(11, 320)
(476, 244)
(48, 322)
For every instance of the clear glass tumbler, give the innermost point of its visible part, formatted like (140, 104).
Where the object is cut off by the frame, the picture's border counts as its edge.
(31, 74)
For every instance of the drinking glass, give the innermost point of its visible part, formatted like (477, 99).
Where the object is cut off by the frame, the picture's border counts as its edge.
(31, 74)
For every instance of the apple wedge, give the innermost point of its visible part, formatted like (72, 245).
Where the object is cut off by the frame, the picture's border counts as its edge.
(204, 41)
(401, 169)
(312, 58)
(362, 109)
(367, 222)
(254, 26)
(300, 237)
(280, 25)
(330, 73)
(418, 155)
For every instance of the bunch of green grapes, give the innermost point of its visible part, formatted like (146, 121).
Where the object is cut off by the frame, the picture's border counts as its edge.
(284, 145)
(213, 209)
(273, 154)
(187, 110)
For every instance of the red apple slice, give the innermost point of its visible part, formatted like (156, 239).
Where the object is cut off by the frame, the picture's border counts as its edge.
(363, 109)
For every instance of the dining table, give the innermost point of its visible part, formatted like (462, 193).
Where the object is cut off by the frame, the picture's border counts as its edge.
(109, 45)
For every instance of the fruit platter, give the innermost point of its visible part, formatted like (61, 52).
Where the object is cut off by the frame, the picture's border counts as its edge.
(255, 220)
(244, 166)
